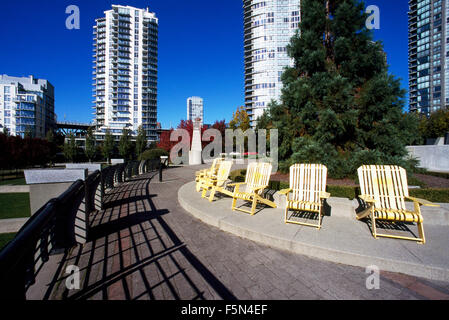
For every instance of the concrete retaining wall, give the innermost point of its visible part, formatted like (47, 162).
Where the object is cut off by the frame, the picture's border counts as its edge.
(431, 157)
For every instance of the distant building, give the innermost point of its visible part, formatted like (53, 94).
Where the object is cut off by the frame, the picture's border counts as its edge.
(268, 27)
(428, 55)
(195, 109)
(27, 105)
(125, 71)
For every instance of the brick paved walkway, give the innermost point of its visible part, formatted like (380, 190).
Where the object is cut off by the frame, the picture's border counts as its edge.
(145, 246)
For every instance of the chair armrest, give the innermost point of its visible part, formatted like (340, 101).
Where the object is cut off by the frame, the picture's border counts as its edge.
(325, 195)
(285, 191)
(260, 188)
(423, 202)
(236, 184)
(367, 198)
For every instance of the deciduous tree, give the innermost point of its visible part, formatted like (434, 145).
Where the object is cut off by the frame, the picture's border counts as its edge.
(108, 146)
(125, 146)
(90, 149)
(70, 149)
(141, 141)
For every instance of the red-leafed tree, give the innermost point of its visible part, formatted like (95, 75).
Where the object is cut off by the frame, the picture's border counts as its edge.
(164, 141)
(187, 125)
(221, 126)
(18, 152)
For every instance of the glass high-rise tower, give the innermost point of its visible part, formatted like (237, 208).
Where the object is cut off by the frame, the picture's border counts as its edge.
(195, 109)
(268, 27)
(125, 71)
(428, 55)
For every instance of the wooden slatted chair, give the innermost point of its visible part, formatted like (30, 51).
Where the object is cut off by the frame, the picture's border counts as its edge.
(256, 180)
(216, 183)
(384, 189)
(207, 173)
(307, 191)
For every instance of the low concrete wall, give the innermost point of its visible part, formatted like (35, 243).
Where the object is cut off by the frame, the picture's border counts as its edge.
(91, 167)
(41, 193)
(431, 157)
(47, 184)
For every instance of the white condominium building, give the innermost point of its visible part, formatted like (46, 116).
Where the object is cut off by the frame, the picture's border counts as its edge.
(125, 71)
(27, 105)
(195, 109)
(268, 27)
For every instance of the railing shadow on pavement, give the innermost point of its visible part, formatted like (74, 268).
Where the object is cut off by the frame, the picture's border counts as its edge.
(135, 254)
(59, 225)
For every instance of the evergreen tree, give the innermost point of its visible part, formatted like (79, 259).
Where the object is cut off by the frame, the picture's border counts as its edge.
(108, 146)
(90, 149)
(141, 141)
(125, 146)
(339, 105)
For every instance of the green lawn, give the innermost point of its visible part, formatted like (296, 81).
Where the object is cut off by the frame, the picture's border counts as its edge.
(14, 182)
(14, 205)
(5, 238)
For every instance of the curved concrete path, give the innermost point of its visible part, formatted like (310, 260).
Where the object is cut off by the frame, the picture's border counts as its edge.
(340, 240)
(144, 245)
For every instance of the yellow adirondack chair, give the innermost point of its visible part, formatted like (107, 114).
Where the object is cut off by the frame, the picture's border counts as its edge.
(216, 182)
(256, 180)
(307, 191)
(384, 189)
(207, 173)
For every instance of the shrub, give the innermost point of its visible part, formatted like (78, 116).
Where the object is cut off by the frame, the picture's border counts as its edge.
(343, 191)
(413, 181)
(153, 154)
(432, 195)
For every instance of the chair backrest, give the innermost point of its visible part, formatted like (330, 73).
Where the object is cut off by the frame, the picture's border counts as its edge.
(257, 175)
(307, 181)
(223, 172)
(215, 165)
(387, 185)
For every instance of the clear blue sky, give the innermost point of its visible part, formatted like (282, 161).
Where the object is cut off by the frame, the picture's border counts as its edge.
(200, 51)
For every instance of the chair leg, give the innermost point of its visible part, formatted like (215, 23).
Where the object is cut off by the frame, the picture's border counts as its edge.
(373, 222)
(198, 187)
(212, 195)
(253, 207)
(319, 218)
(234, 203)
(421, 233)
(286, 214)
(203, 194)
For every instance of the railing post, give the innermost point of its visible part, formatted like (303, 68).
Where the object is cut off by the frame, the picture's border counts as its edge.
(160, 172)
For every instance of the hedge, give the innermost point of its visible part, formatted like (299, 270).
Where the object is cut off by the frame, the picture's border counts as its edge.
(352, 192)
(437, 174)
(432, 195)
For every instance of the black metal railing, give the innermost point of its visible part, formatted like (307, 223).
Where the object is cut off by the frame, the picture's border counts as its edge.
(60, 224)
